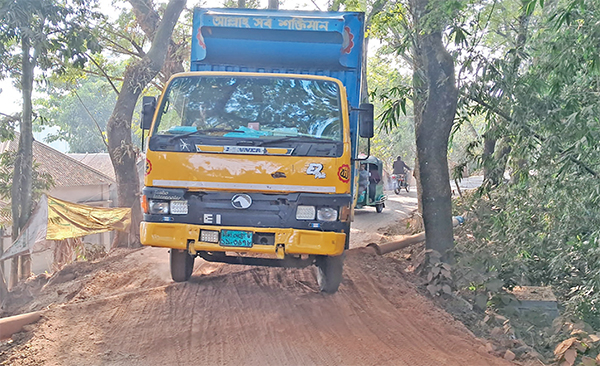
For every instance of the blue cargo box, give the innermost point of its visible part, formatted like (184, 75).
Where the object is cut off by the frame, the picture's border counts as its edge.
(264, 39)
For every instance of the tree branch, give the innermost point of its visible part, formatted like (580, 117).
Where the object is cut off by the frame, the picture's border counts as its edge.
(93, 119)
(96, 73)
(490, 107)
(137, 47)
(164, 30)
(120, 49)
(315, 4)
(103, 72)
(508, 118)
(12, 118)
(148, 19)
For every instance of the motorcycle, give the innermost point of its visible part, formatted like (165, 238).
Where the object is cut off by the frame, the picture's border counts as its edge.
(400, 182)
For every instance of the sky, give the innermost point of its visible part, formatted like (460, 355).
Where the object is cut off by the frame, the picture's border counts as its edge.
(9, 97)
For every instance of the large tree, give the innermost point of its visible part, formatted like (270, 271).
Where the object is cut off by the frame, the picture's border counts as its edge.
(435, 98)
(414, 30)
(498, 53)
(121, 149)
(80, 107)
(34, 34)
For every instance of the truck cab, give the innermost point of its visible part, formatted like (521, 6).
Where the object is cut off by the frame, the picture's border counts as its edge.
(251, 155)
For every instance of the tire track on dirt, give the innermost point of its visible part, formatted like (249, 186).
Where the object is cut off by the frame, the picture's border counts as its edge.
(388, 323)
(261, 316)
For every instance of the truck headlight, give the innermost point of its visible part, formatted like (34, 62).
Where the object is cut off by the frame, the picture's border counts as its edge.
(159, 207)
(327, 214)
(305, 213)
(179, 207)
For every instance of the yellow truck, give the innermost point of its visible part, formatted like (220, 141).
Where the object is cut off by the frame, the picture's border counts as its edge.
(252, 155)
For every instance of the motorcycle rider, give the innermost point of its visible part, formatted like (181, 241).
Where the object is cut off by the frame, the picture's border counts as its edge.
(400, 166)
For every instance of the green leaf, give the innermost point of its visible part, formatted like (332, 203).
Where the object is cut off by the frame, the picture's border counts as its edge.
(447, 289)
(494, 285)
(481, 301)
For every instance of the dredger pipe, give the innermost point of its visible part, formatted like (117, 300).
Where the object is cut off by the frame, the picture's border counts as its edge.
(13, 324)
(408, 240)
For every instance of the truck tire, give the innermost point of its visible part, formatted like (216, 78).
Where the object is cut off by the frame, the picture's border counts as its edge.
(329, 272)
(182, 265)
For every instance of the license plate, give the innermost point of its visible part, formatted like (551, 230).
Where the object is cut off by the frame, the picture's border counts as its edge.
(234, 238)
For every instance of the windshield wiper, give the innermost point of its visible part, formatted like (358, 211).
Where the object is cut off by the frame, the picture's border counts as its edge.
(294, 138)
(200, 131)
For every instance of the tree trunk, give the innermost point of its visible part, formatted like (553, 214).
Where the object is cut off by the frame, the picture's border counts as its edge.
(3, 283)
(21, 199)
(489, 145)
(500, 159)
(434, 116)
(3, 288)
(274, 4)
(419, 92)
(121, 149)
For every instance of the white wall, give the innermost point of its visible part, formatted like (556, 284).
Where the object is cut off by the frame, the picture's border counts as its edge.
(93, 195)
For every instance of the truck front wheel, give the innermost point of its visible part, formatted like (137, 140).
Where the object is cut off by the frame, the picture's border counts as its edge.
(329, 272)
(182, 265)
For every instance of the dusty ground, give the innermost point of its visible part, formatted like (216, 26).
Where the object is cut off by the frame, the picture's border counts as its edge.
(370, 227)
(124, 310)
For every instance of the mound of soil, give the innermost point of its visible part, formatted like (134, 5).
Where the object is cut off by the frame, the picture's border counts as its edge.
(124, 310)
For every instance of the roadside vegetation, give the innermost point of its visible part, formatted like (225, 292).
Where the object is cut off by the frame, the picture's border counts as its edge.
(535, 220)
(527, 119)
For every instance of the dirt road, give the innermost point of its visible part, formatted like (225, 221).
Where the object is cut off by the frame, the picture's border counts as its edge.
(126, 311)
(368, 225)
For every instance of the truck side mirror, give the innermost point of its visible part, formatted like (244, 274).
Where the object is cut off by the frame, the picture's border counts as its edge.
(148, 108)
(366, 120)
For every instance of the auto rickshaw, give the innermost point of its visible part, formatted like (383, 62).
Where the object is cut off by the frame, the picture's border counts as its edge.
(371, 194)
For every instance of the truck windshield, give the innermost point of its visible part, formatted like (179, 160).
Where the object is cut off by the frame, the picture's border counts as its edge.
(251, 107)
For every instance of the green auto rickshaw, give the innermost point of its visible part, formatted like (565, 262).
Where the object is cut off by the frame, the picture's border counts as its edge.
(370, 184)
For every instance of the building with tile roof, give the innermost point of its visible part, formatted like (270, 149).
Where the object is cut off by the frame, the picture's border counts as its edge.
(98, 161)
(102, 163)
(66, 171)
(74, 181)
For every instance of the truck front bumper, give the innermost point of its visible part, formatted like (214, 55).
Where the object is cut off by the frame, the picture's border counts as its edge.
(287, 241)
